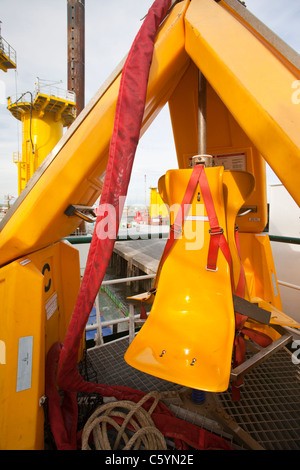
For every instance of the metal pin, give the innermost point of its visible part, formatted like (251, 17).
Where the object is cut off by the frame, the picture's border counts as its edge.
(163, 352)
(193, 361)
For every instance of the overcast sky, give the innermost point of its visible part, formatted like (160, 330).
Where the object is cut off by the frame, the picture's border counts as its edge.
(37, 30)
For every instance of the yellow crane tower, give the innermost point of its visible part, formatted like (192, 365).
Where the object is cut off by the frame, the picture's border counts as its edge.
(43, 113)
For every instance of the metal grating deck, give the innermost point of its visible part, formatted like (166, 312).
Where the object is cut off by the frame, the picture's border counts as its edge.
(111, 369)
(269, 409)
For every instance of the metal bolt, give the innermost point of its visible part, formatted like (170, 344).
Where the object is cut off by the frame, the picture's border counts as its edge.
(193, 361)
(42, 400)
(163, 352)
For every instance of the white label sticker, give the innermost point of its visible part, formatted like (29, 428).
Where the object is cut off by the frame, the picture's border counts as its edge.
(201, 218)
(25, 261)
(231, 161)
(51, 305)
(274, 284)
(24, 363)
(2, 352)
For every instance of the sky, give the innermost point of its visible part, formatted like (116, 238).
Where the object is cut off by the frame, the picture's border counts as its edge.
(37, 30)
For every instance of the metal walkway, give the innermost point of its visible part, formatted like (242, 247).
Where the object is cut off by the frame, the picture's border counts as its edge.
(267, 416)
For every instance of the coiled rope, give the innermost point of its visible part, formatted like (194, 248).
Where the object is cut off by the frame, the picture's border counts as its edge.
(137, 419)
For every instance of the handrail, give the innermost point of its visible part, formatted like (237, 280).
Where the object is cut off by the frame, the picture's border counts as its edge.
(130, 319)
(77, 240)
(51, 91)
(9, 51)
(281, 239)
(48, 88)
(81, 239)
(288, 284)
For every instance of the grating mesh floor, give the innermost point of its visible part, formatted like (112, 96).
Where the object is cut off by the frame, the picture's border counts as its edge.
(111, 369)
(269, 409)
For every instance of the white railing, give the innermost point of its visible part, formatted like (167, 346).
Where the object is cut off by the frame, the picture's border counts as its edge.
(41, 86)
(130, 319)
(287, 284)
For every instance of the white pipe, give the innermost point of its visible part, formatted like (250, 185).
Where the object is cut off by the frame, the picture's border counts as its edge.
(286, 284)
(128, 279)
(110, 322)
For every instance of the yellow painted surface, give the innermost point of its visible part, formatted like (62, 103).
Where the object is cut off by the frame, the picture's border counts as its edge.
(277, 316)
(42, 127)
(37, 297)
(253, 81)
(45, 133)
(157, 207)
(38, 219)
(250, 113)
(226, 141)
(22, 300)
(261, 278)
(237, 186)
(192, 316)
(251, 90)
(6, 62)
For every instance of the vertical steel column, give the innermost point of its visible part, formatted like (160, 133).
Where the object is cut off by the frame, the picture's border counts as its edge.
(202, 138)
(76, 50)
(199, 396)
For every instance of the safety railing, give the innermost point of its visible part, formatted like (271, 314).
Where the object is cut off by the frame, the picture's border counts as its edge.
(44, 87)
(8, 50)
(130, 319)
(17, 157)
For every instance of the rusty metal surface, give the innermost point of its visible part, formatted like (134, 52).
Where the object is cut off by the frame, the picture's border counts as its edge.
(76, 50)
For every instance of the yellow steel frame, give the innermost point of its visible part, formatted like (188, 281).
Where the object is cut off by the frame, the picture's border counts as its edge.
(252, 80)
(250, 110)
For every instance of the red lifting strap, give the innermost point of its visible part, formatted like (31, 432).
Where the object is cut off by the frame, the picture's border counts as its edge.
(217, 238)
(176, 228)
(129, 115)
(126, 132)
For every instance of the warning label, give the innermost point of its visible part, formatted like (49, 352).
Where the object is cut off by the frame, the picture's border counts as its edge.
(231, 161)
(51, 305)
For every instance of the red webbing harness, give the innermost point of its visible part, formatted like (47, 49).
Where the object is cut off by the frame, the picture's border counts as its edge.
(217, 238)
(217, 242)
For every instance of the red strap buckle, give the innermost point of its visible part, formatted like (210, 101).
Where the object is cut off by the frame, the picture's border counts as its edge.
(214, 248)
(178, 230)
(216, 231)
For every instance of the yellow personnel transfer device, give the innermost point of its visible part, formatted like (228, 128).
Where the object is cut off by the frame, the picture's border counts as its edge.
(188, 335)
(250, 119)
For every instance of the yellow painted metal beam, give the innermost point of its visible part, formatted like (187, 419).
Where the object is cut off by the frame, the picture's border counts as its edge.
(73, 173)
(254, 81)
